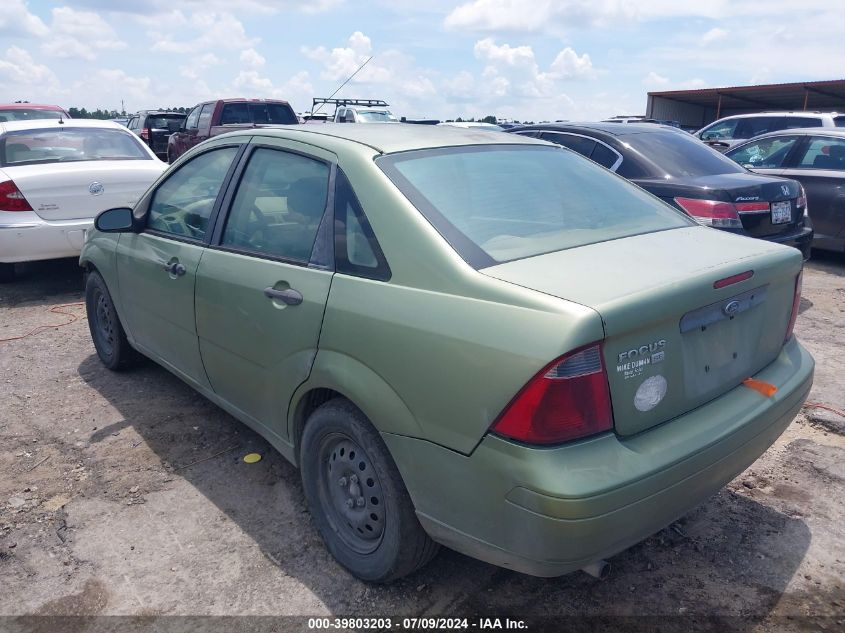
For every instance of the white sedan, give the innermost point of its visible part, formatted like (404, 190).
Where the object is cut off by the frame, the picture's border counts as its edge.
(56, 176)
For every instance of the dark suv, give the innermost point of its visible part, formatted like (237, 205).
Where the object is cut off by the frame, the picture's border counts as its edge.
(155, 127)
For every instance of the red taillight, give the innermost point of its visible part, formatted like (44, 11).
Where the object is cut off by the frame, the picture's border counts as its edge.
(723, 215)
(796, 303)
(145, 134)
(567, 399)
(11, 198)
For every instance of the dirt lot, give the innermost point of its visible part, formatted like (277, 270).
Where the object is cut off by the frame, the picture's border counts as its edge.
(126, 494)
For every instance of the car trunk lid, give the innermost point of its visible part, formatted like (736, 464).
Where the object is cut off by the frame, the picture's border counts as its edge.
(782, 212)
(665, 321)
(75, 190)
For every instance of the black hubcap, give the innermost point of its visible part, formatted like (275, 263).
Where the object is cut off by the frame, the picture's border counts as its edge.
(352, 494)
(105, 325)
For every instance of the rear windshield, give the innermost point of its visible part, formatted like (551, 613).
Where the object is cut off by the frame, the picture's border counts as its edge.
(497, 203)
(248, 113)
(162, 120)
(28, 114)
(675, 154)
(69, 145)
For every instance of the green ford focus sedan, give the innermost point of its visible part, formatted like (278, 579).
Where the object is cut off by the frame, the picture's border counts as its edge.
(460, 337)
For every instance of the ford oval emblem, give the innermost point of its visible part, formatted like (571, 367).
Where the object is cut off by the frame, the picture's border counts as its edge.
(731, 308)
(95, 188)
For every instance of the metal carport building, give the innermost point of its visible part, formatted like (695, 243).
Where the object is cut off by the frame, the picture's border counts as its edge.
(697, 108)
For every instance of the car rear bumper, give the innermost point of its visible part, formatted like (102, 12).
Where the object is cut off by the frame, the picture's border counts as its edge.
(550, 511)
(802, 240)
(25, 237)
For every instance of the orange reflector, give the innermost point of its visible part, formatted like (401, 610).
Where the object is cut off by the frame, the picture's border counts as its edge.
(733, 279)
(765, 388)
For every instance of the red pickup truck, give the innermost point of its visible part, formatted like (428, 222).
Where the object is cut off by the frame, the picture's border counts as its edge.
(224, 115)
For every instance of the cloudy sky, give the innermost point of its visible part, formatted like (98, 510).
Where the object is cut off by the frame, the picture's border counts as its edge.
(538, 59)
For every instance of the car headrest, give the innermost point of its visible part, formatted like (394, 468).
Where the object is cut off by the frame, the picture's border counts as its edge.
(837, 151)
(307, 196)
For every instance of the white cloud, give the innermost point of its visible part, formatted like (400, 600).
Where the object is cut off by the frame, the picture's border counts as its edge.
(712, 36)
(16, 20)
(198, 64)
(339, 63)
(213, 31)
(569, 64)
(298, 89)
(79, 34)
(655, 80)
(251, 58)
(20, 75)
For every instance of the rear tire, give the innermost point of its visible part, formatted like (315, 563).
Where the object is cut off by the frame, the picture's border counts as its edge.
(357, 498)
(7, 272)
(106, 330)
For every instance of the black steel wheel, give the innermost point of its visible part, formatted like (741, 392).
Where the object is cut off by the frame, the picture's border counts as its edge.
(106, 330)
(357, 498)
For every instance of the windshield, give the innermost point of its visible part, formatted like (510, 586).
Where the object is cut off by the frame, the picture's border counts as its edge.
(676, 154)
(497, 203)
(28, 114)
(374, 116)
(55, 145)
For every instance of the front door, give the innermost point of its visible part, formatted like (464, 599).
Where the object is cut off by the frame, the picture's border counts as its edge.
(157, 267)
(262, 285)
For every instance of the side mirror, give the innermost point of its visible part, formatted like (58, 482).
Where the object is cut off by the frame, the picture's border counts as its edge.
(349, 117)
(118, 220)
(174, 126)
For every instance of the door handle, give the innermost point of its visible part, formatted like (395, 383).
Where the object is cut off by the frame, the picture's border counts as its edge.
(175, 268)
(289, 295)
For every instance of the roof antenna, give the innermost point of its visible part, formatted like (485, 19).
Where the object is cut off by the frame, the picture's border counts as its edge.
(348, 79)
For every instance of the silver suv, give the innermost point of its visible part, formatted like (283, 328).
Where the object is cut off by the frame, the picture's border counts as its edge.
(727, 132)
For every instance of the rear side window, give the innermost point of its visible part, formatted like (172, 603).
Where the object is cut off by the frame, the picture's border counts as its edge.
(261, 113)
(839, 121)
(604, 156)
(824, 153)
(357, 251)
(279, 205)
(496, 203)
(67, 144)
(580, 144)
(794, 122)
(767, 153)
(182, 205)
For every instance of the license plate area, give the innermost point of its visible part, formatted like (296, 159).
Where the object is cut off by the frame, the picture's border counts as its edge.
(781, 212)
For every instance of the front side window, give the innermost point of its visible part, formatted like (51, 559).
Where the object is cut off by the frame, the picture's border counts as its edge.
(68, 144)
(193, 117)
(497, 203)
(824, 153)
(205, 116)
(279, 205)
(182, 205)
(767, 153)
(721, 130)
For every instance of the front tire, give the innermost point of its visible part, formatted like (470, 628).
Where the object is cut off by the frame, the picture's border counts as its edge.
(357, 497)
(106, 330)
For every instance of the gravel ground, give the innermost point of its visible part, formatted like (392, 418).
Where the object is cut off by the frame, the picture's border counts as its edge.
(126, 495)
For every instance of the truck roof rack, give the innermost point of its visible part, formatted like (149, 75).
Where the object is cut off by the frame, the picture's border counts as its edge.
(348, 102)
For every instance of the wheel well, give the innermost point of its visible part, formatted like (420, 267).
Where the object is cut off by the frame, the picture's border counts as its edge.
(309, 403)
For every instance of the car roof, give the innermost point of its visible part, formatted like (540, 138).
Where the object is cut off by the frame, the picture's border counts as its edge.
(396, 137)
(608, 127)
(37, 124)
(31, 106)
(139, 112)
(798, 113)
(801, 131)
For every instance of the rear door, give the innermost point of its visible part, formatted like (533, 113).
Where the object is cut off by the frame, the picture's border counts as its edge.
(157, 267)
(820, 167)
(262, 285)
